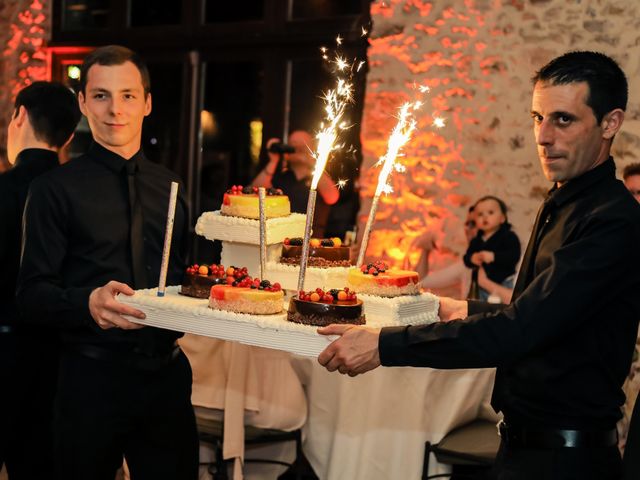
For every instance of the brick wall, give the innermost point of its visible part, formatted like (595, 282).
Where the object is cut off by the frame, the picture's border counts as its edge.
(25, 27)
(478, 58)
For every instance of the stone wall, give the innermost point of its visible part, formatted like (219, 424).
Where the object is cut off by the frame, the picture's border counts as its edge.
(25, 27)
(478, 57)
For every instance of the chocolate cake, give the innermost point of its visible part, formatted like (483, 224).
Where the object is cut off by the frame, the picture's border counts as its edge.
(198, 280)
(320, 308)
(323, 253)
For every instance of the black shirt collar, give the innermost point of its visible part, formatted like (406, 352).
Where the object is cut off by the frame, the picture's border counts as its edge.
(112, 160)
(561, 195)
(36, 160)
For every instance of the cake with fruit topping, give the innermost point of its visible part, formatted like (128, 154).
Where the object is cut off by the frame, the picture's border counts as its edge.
(323, 253)
(243, 294)
(378, 279)
(241, 201)
(198, 280)
(321, 308)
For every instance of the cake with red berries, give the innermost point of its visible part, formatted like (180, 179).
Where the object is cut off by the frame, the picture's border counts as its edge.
(320, 308)
(243, 202)
(243, 294)
(198, 280)
(323, 253)
(378, 279)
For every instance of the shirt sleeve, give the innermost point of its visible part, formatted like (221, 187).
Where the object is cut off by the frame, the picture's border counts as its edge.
(41, 295)
(574, 285)
(506, 257)
(474, 245)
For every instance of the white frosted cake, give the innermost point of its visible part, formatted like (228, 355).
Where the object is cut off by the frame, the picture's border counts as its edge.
(325, 278)
(215, 226)
(401, 310)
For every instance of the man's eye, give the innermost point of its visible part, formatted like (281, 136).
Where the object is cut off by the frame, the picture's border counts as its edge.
(536, 118)
(99, 96)
(564, 120)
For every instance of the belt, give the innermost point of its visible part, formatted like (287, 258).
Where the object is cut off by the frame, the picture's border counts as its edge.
(518, 436)
(127, 358)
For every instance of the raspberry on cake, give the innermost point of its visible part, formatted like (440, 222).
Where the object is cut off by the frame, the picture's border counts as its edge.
(324, 253)
(243, 294)
(241, 201)
(321, 308)
(198, 279)
(378, 279)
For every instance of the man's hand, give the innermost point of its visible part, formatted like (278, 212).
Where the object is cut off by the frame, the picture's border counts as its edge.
(451, 309)
(107, 311)
(355, 352)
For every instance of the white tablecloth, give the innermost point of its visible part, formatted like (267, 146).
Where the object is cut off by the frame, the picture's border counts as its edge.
(374, 426)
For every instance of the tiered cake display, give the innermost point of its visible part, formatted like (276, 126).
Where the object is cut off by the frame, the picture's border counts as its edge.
(254, 226)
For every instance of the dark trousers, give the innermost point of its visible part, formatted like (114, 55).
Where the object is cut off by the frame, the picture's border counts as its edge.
(28, 373)
(106, 411)
(515, 463)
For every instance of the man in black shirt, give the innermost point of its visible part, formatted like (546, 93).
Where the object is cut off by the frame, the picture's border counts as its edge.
(44, 118)
(563, 346)
(94, 228)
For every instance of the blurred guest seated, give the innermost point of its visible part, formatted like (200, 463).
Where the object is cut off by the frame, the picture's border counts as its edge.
(292, 172)
(495, 247)
(455, 274)
(243, 385)
(631, 176)
(497, 293)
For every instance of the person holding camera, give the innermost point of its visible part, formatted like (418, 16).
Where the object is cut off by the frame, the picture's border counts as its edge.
(290, 168)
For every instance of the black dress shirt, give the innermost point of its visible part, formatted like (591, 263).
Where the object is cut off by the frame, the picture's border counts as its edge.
(77, 224)
(14, 185)
(563, 347)
(506, 250)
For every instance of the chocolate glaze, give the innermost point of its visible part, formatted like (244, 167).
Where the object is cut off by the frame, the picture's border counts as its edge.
(199, 286)
(335, 254)
(322, 314)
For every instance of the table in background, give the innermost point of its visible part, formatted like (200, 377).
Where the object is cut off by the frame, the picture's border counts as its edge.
(374, 426)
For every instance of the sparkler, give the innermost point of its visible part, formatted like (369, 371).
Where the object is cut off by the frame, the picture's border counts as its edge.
(335, 101)
(398, 138)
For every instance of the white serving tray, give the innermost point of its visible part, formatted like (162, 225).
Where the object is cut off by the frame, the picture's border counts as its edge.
(192, 315)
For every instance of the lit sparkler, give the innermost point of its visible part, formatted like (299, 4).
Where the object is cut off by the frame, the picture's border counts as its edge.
(335, 101)
(398, 138)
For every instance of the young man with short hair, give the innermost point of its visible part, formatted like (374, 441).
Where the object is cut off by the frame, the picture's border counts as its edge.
(94, 229)
(44, 118)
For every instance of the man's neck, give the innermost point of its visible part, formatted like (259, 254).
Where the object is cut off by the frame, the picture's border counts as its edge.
(125, 152)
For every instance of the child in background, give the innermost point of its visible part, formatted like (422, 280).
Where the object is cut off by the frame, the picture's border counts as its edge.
(496, 247)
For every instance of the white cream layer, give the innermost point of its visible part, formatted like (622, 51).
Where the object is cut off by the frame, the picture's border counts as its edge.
(214, 226)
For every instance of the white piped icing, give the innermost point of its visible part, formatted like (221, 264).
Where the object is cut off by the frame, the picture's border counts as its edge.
(215, 226)
(402, 310)
(325, 278)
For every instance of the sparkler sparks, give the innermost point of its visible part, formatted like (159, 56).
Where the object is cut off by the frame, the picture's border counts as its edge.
(342, 183)
(364, 32)
(399, 137)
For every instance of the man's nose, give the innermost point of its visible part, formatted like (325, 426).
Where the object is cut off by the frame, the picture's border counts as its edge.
(115, 106)
(545, 133)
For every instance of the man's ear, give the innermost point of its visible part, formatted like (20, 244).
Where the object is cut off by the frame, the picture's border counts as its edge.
(611, 123)
(147, 105)
(81, 103)
(21, 116)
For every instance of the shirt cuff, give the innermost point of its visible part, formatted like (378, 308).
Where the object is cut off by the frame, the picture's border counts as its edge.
(392, 345)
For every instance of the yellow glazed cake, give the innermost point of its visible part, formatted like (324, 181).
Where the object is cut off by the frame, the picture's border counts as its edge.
(241, 201)
(377, 279)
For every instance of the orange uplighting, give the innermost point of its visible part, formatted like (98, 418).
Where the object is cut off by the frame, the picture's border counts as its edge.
(426, 197)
